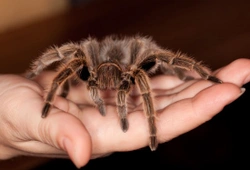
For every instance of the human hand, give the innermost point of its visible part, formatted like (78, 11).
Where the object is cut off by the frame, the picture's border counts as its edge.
(181, 106)
(24, 132)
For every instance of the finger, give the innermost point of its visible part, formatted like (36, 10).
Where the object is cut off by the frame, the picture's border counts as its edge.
(175, 87)
(98, 126)
(164, 99)
(67, 106)
(55, 134)
(173, 121)
(165, 82)
(187, 114)
(64, 131)
(237, 72)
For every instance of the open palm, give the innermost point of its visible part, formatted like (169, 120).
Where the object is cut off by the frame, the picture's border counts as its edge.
(75, 126)
(180, 107)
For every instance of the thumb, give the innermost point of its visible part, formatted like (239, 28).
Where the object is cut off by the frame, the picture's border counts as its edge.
(64, 131)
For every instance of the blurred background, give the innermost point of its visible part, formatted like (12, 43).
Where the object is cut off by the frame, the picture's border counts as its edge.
(216, 32)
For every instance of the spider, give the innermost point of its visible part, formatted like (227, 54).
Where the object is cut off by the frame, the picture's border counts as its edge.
(114, 63)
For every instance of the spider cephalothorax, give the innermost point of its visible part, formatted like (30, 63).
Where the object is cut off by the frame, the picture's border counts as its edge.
(114, 63)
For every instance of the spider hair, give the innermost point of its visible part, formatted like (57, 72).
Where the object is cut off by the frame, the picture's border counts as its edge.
(115, 63)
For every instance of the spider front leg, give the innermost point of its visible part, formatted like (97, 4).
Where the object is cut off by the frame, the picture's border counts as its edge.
(61, 78)
(182, 61)
(121, 101)
(65, 89)
(53, 55)
(95, 95)
(141, 80)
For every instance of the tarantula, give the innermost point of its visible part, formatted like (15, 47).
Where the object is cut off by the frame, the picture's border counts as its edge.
(114, 63)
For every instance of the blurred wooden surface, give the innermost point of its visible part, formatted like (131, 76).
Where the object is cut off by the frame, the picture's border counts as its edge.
(17, 13)
(216, 32)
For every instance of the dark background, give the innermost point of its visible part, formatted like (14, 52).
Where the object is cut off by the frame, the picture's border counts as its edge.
(216, 32)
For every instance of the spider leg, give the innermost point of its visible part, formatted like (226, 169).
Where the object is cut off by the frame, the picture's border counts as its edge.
(182, 61)
(141, 80)
(66, 73)
(53, 55)
(121, 101)
(95, 95)
(179, 72)
(65, 89)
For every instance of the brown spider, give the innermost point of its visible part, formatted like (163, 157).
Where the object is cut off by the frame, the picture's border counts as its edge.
(114, 63)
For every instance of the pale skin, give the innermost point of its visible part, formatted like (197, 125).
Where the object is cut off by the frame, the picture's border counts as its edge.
(75, 129)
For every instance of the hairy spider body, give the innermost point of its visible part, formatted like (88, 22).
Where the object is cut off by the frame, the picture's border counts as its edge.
(114, 63)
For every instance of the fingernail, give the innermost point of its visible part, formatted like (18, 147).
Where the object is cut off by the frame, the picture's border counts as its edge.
(242, 91)
(68, 147)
